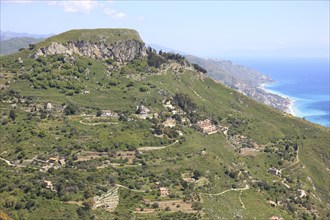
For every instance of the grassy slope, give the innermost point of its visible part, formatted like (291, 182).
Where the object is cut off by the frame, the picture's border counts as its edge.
(106, 36)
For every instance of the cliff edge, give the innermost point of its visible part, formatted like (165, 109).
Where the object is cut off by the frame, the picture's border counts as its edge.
(121, 45)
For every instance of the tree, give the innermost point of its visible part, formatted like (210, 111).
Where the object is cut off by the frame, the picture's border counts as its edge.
(89, 203)
(184, 102)
(155, 60)
(88, 193)
(71, 109)
(199, 68)
(143, 89)
(197, 206)
(98, 112)
(197, 174)
(12, 114)
(155, 205)
(291, 208)
(43, 115)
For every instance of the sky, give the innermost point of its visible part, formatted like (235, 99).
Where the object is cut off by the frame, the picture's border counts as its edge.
(211, 29)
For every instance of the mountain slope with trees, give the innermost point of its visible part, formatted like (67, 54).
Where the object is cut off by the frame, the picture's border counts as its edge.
(133, 133)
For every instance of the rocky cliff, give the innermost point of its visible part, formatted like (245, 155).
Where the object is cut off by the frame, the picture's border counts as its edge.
(120, 45)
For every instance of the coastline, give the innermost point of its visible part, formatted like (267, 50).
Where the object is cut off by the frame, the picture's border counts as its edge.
(290, 106)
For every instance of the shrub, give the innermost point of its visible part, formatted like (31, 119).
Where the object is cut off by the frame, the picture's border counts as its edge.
(199, 68)
(143, 89)
(113, 82)
(155, 205)
(71, 109)
(155, 60)
(184, 102)
(98, 113)
(197, 205)
(109, 61)
(12, 114)
(89, 203)
(197, 174)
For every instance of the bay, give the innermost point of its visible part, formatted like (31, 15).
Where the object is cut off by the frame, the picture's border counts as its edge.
(303, 80)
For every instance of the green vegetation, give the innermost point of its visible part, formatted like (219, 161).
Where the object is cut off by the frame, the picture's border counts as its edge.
(106, 36)
(91, 139)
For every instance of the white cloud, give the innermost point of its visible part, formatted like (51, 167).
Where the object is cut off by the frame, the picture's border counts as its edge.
(113, 13)
(120, 15)
(18, 1)
(82, 6)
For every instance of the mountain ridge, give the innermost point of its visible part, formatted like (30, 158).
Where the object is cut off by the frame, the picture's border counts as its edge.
(6, 35)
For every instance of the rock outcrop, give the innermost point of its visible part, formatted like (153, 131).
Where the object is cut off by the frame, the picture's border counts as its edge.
(124, 51)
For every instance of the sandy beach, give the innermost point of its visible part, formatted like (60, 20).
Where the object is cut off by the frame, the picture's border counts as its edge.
(290, 106)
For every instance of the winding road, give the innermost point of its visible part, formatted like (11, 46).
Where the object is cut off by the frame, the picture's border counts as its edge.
(232, 189)
(7, 162)
(156, 148)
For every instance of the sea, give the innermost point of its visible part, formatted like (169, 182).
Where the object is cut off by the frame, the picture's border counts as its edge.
(305, 81)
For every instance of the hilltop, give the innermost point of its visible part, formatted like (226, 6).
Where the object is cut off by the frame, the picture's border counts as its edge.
(96, 125)
(102, 36)
(118, 44)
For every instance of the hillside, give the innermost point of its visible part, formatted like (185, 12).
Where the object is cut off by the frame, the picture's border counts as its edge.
(110, 129)
(14, 44)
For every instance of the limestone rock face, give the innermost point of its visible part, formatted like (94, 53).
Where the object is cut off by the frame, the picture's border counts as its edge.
(120, 52)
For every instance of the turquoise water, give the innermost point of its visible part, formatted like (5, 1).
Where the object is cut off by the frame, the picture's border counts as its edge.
(304, 80)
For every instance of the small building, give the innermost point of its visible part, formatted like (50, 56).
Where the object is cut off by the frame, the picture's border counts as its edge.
(274, 171)
(302, 193)
(276, 218)
(49, 185)
(52, 159)
(169, 122)
(142, 110)
(168, 105)
(207, 127)
(188, 179)
(61, 162)
(164, 191)
(108, 113)
(48, 106)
